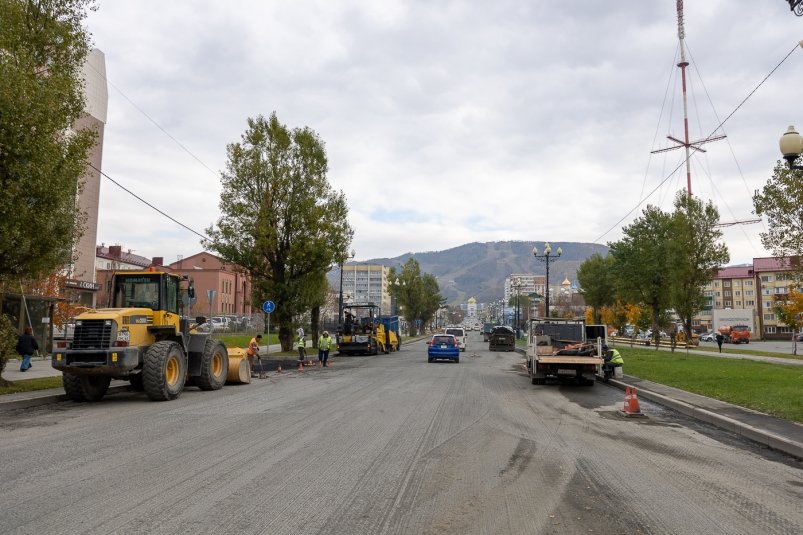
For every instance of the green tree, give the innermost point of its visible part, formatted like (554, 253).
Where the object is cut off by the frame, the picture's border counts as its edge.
(43, 47)
(640, 264)
(417, 294)
(281, 219)
(781, 202)
(695, 255)
(595, 276)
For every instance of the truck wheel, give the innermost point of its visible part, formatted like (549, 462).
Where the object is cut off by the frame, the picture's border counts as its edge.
(164, 371)
(86, 387)
(214, 366)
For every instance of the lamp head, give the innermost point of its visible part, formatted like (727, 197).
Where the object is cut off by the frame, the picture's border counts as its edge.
(547, 249)
(560, 251)
(791, 145)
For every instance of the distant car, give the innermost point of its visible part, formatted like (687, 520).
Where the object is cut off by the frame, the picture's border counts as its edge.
(799, 337)
(460, 334)
(219, 323)
(443, 346)
(502, 338)
(708, 337)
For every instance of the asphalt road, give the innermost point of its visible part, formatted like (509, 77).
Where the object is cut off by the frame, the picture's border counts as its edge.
(387, 444)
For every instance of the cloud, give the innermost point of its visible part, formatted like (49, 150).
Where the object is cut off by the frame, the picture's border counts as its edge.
(445, 122)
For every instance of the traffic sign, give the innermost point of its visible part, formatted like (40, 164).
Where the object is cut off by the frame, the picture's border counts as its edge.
(268, 307)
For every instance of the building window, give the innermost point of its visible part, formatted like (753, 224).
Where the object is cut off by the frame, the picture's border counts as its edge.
(726, 284)
(748, 292)
(738, 293)
(769, 317)
(769, 329)
(737, 283)
(748, 283)
(728, 304)
(750, 303)
(766, 278)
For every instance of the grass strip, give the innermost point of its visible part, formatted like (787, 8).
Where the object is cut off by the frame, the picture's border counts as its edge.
(775, 389)
(30, 385)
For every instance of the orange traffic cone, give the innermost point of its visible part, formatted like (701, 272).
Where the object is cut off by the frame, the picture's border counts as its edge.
(631, 406)
(301, 365)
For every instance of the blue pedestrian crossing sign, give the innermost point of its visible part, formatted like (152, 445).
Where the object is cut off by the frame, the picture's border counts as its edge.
(268, 307)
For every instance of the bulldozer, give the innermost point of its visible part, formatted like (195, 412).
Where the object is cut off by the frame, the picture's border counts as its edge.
(142, 338)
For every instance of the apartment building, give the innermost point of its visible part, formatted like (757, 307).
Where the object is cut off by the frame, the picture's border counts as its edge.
(366, 283)
(753, 289)
(774, 279)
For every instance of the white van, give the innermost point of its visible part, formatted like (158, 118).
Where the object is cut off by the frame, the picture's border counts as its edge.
(460, 334)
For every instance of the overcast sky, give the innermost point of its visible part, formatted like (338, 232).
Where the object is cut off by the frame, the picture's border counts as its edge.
(445, 122)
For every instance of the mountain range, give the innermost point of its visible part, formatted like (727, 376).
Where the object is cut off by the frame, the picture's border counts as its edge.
(479, 270)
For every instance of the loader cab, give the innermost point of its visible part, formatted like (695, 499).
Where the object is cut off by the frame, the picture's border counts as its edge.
(157, 291)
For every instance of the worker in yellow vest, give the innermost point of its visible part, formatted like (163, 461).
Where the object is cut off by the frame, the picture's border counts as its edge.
(324, 345)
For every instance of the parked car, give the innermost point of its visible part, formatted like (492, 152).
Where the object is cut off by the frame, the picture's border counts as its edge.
(443, 346)
(710, 336)
(219, 324)
(799, 337)
(460, 334)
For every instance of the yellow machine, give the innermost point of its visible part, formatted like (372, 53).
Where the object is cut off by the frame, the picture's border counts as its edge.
(142, 338)
(366, 332)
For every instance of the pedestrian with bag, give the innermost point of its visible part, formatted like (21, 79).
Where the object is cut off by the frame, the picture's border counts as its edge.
(253, 353)
(26, 347)
(324, 345)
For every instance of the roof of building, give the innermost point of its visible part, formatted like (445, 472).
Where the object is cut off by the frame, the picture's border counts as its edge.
(115, 252)
(735, 272)
(774, 264)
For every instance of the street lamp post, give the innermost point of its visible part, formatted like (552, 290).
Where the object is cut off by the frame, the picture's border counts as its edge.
(340, 307)
(546, 257)
(517, 286)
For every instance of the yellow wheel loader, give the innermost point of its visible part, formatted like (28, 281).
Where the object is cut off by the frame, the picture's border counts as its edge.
(141, 338)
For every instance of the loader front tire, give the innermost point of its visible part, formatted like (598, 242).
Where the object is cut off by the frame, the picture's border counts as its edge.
(214, 366)
(164, 371)
(85, 387)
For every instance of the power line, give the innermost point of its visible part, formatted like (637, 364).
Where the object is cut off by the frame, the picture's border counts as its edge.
(683, 162)
(149, 205)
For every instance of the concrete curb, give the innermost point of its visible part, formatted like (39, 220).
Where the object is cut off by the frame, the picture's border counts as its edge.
(761, 436)
(27, 400)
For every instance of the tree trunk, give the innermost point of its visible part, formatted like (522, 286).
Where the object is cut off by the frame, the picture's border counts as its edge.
(314, 327)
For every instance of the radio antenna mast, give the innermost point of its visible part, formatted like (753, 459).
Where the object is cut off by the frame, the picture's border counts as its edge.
(688, 145)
